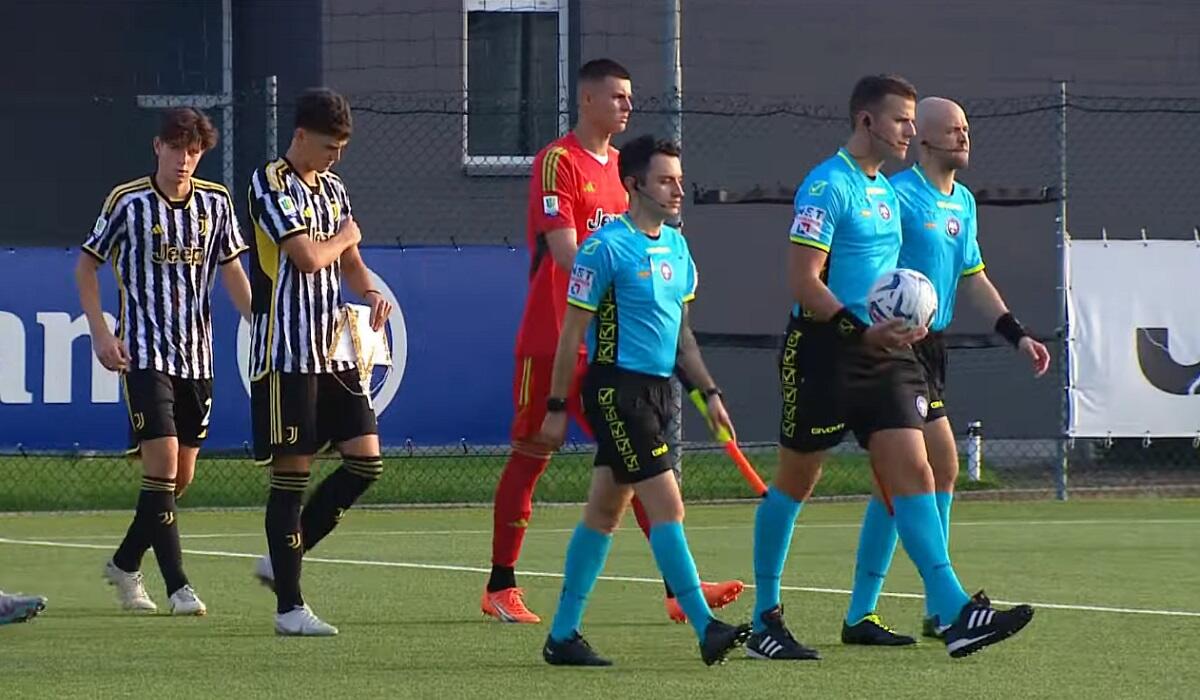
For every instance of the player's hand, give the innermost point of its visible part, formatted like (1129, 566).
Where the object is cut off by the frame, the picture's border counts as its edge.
(380, 309)
(111, 352)
(1037, 354)
(893, 334)
(554, 429)
(351, 231)
(718, 417)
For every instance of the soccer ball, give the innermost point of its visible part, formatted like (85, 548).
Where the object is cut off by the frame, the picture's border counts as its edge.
(904, 294)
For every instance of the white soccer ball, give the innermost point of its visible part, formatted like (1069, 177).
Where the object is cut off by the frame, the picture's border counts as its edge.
(904, 294)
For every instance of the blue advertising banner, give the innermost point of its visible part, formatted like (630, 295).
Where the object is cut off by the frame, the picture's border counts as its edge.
(452, 337)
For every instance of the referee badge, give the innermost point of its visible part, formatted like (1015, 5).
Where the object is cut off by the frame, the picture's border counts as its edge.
(666, 271)
(885, 212)
(953, 226)
(923, 406)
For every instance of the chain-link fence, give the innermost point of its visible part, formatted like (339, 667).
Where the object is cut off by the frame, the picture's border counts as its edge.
(413, 181)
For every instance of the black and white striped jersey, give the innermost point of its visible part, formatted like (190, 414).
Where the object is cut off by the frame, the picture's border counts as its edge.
(165, 256)
(295, 313)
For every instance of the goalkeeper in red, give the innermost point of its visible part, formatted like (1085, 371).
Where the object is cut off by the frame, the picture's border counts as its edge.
(575, 189)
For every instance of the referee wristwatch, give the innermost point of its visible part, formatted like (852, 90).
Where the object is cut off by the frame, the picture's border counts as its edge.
(555, 405)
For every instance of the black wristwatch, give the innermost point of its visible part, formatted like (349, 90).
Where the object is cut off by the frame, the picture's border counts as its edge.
(713, 391)
(555, 405)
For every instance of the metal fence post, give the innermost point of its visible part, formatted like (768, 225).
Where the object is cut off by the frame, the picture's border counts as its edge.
(1064, 327)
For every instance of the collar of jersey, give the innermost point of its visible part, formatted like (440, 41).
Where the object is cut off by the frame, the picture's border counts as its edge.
(174, 204)
(916, 168)
(845, 155)
(624, 218)
(314, 189)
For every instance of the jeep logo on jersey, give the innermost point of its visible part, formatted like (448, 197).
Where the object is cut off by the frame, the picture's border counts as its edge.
(397, 336)
(1154, 359)
(953, 226)
(885, 212)
(598, 219)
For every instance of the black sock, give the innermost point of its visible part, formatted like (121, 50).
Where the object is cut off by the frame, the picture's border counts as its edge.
(670, 593)
(502, 577)
(164, 533)
(138, 537)
(284, 541)
(335, 495)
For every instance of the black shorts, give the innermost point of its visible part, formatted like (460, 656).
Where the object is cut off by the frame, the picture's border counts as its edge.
(304, 414)
(830, 385)
(161, 405)
(931, 354)
(628, 413)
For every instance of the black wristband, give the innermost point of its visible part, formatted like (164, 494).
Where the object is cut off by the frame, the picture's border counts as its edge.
(555, 405)
(714, 391)
(848, 325)
(1010, 329)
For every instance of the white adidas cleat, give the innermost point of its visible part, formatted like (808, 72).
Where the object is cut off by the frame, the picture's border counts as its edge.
(302, 622)
(185, 602)
(264, 572)
(131, 591)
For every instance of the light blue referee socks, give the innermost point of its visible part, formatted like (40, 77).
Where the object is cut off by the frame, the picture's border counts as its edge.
(944, 499)
(586, 555)
(876, 545)
(670, 548)
(920, 530)
(773, 523)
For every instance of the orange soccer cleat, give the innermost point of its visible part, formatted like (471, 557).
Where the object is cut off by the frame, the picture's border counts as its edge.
(718, 595)
(508, 605)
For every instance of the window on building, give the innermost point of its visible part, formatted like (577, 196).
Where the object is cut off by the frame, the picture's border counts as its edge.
(514, 82)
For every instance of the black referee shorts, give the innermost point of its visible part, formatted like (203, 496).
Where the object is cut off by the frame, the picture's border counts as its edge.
(931, 354)
(628, 413)
(161, 405)
(304, 414)
(830, 386)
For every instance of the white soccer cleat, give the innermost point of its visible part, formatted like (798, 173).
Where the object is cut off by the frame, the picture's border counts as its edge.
(264, 572)
(185, 602)
(19, 608)
(301, 622)
(130, 589)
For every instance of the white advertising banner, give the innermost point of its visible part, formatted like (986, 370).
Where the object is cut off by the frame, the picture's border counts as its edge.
(1135, 338)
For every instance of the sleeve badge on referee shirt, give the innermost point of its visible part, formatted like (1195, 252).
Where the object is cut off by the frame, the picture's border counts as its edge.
(550, 205)
(809, 222)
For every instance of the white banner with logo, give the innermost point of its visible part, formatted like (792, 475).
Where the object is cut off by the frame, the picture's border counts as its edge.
(1135, 338)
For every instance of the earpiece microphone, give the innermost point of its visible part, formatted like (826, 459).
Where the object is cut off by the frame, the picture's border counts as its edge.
(932, 147)
(642, 192)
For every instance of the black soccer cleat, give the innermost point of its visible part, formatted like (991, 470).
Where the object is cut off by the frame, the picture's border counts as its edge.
(870, 631)
(980, 625)
(929, 628)
(573, 651)
(776, 643)
(719, 639)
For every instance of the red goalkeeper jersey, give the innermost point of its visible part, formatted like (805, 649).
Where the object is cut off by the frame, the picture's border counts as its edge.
(570, 188)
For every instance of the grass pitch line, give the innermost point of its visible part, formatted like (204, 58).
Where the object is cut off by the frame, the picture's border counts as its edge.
(690, 528)
(620, 579)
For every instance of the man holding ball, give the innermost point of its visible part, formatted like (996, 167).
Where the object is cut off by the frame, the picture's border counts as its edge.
(939, 223)
(855, 376)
